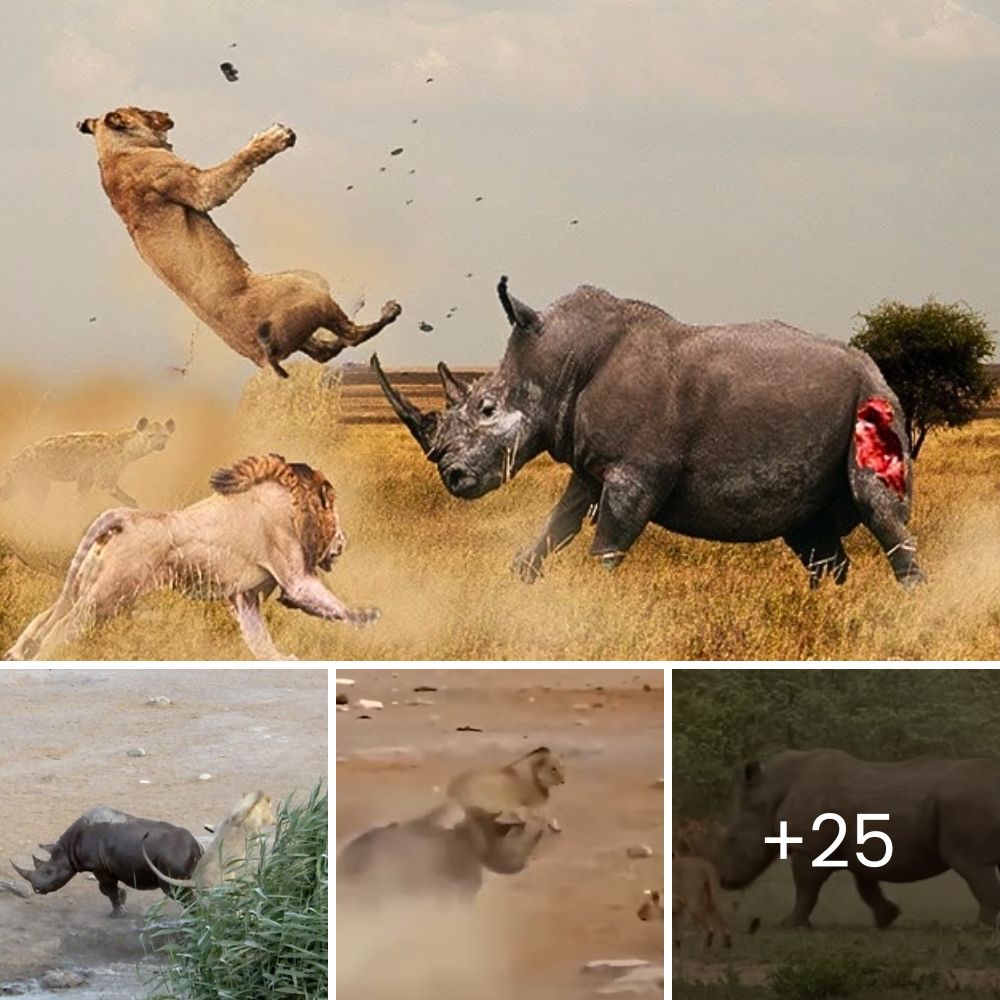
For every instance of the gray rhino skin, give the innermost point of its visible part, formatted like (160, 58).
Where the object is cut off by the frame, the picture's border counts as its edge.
(419, 858)
(943, 814)
(735, 433)
(109, 843)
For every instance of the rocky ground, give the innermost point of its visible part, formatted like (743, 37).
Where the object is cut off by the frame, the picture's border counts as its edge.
(64, 742)
(528, 934)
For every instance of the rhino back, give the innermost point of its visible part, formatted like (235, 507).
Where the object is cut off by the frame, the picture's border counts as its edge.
(409, 859)
(116, 848)
(750, 424)
(941, 811)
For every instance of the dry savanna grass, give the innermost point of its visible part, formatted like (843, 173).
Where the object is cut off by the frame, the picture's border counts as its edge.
(439, 567)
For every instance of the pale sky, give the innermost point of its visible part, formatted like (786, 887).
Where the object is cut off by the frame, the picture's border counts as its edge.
(725, 159)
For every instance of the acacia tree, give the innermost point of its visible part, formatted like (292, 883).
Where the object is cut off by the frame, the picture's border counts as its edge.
(932, 355)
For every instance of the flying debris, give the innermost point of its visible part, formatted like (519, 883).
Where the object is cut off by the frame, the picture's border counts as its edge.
(412, 171)
(479, 197)
(413, 121)
(425, 327)
(468, 274)
(409, 201)
(93, 319)
(232, 45)
(396, 151)
(229, 71)
(350, 187)
(574, 222)
(430, 79)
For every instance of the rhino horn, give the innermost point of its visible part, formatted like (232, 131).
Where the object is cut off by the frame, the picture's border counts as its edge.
(520, 315)
(421, 425)
(24, 873)
(48, 848)
(455, 389)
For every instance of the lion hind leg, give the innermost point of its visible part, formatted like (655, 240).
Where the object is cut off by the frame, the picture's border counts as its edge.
(36, 640)
(346, 333)
(272, 352)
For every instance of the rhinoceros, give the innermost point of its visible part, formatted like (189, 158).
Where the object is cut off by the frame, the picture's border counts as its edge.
(942, 814)
(421, 858)
(109, 843)
(737, 433)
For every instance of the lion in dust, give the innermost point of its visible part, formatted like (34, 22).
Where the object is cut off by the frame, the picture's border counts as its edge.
(164, 202)
(270, 525)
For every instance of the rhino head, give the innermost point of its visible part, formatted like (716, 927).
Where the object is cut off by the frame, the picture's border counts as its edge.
(490, 428)
(50, 875)
(742, 855)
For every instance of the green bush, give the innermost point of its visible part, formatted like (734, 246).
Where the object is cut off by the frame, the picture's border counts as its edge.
(932, 356)
(263, 934)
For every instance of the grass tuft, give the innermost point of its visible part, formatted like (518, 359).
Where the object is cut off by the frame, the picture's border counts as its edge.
(263, 934)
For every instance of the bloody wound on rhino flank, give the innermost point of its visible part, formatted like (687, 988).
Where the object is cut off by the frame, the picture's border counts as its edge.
(737, 433)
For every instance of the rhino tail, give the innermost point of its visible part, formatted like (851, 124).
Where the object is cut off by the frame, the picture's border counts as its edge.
(181, 883)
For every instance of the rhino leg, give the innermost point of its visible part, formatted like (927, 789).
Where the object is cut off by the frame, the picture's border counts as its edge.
(818, 546)
(808, 882)
(108, 885)
(561, 527)
(626, 506)
(884, 910)
(885, 516)
(982, 880)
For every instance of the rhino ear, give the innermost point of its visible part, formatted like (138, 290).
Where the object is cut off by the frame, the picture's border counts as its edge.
(521, 316)
(752, 773)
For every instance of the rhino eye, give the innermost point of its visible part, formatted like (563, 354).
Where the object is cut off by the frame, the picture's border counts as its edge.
(487, 407)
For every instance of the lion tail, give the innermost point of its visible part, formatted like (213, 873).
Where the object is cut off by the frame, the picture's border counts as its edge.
(111, 522)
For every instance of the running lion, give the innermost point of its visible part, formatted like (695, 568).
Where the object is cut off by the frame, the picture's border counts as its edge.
(164, 202)
(271, 524)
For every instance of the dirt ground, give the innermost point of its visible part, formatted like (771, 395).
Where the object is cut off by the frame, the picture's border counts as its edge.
(64, 738)
(527, 934)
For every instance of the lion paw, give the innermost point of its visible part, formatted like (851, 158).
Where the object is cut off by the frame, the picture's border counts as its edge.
(362, 617)
(274, 140)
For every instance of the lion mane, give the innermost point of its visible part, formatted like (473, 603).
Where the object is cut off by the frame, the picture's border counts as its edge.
(313, 498)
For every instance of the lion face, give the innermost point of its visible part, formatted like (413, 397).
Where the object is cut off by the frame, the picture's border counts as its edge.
(329, 540)
(130, 125)
(551, 772)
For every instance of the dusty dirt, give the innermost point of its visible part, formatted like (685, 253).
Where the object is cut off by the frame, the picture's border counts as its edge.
(63, 741)
(527, 934)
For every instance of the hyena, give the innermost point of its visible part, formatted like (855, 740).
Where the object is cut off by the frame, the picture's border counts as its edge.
(88, 458)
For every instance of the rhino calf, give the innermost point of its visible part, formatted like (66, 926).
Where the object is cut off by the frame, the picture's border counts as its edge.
(736, 433)
(110, 844)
